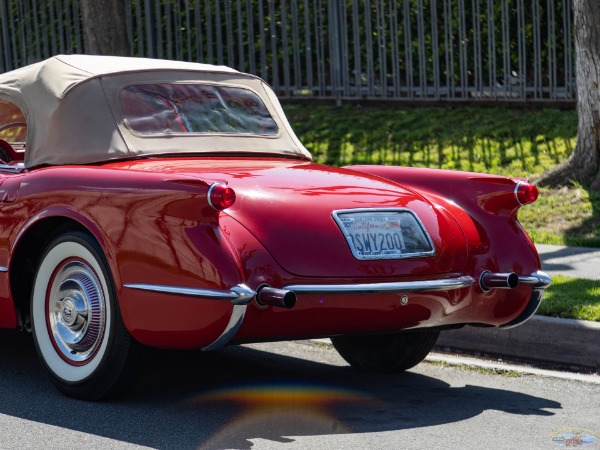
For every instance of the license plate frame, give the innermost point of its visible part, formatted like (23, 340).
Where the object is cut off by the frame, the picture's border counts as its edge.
(384, 233)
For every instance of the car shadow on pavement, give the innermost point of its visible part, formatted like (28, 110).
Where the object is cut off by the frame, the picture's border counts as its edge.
(228, 398)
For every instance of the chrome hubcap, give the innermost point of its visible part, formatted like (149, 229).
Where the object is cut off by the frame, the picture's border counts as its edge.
(76, 312)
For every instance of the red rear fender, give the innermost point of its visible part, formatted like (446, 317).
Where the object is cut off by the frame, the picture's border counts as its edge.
(485, 206)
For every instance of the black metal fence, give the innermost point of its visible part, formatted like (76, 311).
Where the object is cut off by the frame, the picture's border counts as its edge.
(425, 50)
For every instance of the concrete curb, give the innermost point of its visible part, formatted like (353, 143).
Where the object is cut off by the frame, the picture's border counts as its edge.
(564, 342)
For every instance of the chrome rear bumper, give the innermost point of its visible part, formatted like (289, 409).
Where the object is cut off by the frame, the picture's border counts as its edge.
(400, 287)
(241, 295)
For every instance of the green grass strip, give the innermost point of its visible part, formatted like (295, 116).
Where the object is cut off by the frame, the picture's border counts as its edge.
(514, 142)
(572, 298)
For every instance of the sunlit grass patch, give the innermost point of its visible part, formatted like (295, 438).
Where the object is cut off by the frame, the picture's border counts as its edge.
(573, 298)
(515, 142)
(565, 216)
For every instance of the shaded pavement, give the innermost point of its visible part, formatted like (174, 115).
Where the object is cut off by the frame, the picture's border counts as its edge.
(578, 262)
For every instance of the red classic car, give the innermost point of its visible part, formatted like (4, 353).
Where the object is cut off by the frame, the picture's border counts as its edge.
(169, 204)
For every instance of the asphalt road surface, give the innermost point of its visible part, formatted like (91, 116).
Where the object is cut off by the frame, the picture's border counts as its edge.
(578, 262)
(294, 395)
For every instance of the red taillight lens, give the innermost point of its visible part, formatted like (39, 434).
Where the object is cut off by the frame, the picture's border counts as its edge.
(221, 197)
(526, 193)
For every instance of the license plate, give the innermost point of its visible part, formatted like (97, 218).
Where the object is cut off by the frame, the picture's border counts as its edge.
(384, 234)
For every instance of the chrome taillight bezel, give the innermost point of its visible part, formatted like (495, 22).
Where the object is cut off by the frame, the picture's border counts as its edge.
(220, 196)
(523, 198)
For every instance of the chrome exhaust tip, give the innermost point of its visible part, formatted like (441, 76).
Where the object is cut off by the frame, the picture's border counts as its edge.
(489, 280)
(282, 298)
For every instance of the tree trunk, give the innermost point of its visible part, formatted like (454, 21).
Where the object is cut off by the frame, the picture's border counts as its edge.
(584, 164)
(105, 27)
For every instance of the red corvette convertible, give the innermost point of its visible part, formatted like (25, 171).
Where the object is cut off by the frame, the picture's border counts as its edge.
(169, 204)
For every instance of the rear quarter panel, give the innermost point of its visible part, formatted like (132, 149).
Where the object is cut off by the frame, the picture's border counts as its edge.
(152, 229)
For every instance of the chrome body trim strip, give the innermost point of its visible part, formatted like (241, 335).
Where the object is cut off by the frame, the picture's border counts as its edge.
(446, 284)
(18, 168)
(238, 295)
(235, 322)
(3, 269)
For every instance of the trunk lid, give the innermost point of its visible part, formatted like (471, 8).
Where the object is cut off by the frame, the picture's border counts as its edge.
(289, 205)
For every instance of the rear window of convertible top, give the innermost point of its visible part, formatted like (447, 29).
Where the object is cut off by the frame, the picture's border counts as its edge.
(181, 108)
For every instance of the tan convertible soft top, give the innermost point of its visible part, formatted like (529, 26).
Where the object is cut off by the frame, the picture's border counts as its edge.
(71, 103)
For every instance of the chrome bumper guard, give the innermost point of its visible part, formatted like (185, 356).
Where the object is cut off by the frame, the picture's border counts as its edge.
(239, 295)
(539, 281)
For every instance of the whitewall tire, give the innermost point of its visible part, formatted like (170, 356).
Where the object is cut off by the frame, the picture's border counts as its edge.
(77, 326)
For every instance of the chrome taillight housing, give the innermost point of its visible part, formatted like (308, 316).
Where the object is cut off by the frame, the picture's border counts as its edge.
(220, 196)
(525, 193)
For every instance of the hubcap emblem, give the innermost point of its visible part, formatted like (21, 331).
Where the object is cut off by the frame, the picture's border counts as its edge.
(68, 311)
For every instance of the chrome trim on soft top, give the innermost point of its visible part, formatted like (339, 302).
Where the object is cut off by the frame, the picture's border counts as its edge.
(238, 295)
(445, 284)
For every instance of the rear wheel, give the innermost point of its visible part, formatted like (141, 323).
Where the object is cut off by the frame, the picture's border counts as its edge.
(77, 326)
(385, 353)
